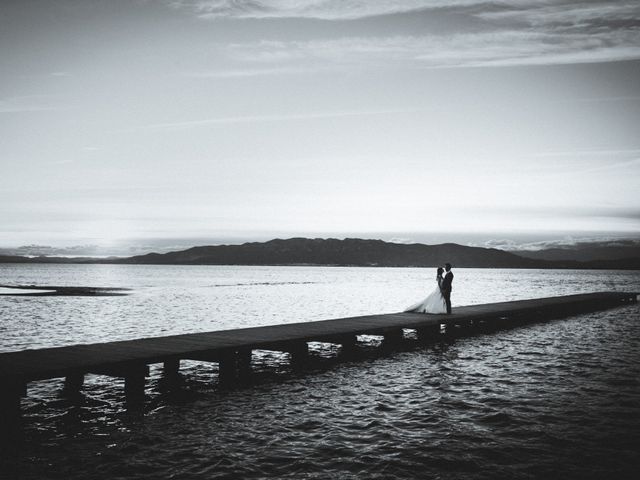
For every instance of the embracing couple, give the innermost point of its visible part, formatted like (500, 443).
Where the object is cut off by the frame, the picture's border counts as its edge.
(439, 301)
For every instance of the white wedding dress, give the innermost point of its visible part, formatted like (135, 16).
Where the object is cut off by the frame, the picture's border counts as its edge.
(434, 303)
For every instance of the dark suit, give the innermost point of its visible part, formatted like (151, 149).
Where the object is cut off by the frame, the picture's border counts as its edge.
(446, 289)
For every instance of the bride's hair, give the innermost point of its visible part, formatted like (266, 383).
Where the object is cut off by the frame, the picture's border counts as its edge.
(440, 270)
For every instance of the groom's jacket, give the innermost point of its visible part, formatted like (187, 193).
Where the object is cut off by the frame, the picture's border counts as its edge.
(446, 283)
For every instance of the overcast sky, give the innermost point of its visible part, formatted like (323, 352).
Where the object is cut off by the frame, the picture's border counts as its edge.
(126, 121)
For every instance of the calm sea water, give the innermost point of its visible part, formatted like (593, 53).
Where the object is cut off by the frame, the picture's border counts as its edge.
(551, 400)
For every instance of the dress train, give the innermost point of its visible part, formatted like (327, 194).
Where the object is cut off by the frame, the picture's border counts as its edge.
(434, 303)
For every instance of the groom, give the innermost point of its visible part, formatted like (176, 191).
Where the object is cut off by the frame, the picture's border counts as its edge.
(446, 286)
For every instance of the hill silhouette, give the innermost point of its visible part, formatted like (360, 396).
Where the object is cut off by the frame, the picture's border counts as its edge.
(351, 251)
(347, 252)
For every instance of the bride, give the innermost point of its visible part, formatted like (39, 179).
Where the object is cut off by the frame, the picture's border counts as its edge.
(435, 302)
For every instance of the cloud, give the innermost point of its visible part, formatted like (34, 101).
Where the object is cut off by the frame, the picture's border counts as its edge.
(402, 240)
(590, 153)
(535, 13)
(268, 118)
(248, 72)
(594, 212)
(500, 48)
(316, 9)
(28, 103)
(634, 162)
(38, 250)
(568, 14)
(509, 33)
(588, 161)
(568, 242)
(629, 98)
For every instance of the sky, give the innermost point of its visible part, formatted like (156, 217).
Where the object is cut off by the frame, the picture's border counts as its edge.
(177, 121)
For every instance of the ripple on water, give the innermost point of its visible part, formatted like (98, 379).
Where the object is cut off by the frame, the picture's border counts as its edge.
(553, 400)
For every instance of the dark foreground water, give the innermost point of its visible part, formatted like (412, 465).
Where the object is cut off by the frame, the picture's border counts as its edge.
(559, 399)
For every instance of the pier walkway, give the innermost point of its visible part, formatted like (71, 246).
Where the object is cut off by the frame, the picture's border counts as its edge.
(231, 349)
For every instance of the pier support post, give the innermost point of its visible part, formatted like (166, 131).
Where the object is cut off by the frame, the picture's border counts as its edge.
(426, 334)
(393, 337)
(299, 353)
(348, 343)
(10, 415)
(72, 384)
(134, 382)
(171, 372)
(501, 323)
(171, 367)
(227, 368)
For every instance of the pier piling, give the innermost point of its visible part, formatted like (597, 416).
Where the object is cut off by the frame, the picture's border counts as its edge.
(429, 333)
(171, 367)
(73, 384)
(227, 367)
(10, 399)
(299, 353)
(349, 343)
(393, 337)
(134, 383)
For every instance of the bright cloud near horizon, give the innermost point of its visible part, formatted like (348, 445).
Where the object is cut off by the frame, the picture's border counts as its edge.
(148, 119)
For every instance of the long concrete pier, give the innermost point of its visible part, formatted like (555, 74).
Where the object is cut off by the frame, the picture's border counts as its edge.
(231, 349)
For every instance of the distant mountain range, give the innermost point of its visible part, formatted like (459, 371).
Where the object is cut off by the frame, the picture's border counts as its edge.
(587, 251)
(350, 251)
